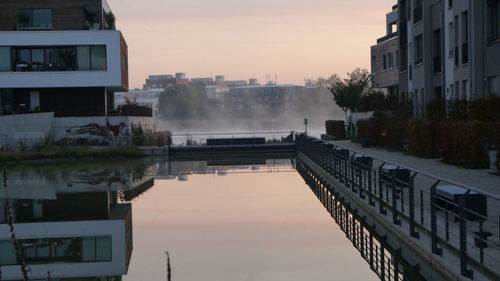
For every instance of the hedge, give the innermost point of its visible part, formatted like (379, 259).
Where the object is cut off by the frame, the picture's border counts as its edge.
(335, 128)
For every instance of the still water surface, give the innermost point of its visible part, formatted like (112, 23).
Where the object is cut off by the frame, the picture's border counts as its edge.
(218, 222)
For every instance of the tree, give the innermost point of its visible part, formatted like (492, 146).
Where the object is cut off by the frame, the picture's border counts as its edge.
(327, 83)
(347, 93)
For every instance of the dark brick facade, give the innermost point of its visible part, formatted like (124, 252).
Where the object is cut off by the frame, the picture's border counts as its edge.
(66, 14)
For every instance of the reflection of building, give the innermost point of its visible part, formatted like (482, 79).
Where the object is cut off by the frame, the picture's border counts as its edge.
(385, 69)
(74, 236)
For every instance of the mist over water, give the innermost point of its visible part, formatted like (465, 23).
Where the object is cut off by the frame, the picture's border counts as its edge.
(316, 107)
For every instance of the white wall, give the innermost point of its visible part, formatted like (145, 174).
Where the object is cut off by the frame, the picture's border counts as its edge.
(116, 229)
(108, 78)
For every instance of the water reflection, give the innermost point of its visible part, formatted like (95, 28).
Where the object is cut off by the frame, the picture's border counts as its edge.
(73, 221)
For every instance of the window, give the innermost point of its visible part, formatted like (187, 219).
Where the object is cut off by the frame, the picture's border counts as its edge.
(465, 90)
(419, 49)
(457, 91)
(455, 37)
(418, 11)
(450, 34)
(404, 57)
(60, 58)
(465, 37)
(450, 4)
(438, 92)
(494, 86)
(34, 19)
(436, 51)
(384, 62)
(5, 59)
(91, 57)
(493, 20)
(452, 91)
(55, 250)
(390, 58)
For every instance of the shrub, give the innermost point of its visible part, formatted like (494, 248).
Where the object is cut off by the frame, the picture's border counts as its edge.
(458, 110)
(335, 128)
(395, 133)
(464, 144)
(485, 109)
(436, 110)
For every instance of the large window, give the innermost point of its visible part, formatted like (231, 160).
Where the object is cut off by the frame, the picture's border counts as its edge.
(493, 20)
(53, 250)
(59, 58)
(436, 50)
(418, 12)
(465, 37)
(34, 19)
(419, 49)
(5, 59)
(92, 57)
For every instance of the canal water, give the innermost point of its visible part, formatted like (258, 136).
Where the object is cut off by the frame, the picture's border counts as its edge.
(253, 219)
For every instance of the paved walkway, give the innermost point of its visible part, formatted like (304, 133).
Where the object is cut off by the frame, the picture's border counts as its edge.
(480, 180)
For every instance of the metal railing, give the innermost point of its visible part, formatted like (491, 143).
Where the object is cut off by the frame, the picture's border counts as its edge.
(199, 139)
(417, 203)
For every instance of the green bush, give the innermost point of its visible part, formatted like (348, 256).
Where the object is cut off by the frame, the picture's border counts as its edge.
(485, 109)
(464, 143)
(335, 128)
(436, 110)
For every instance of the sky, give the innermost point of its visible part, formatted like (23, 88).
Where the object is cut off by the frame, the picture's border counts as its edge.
(249, 38)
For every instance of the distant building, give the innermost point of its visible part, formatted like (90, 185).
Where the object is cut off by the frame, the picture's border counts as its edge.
(385, 56)
(273, 99)
(165, 81)
(204, 81)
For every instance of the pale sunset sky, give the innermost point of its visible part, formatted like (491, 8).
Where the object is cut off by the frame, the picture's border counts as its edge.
(249, 38)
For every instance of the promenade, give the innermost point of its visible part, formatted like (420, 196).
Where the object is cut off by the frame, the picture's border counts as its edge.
(482, 180)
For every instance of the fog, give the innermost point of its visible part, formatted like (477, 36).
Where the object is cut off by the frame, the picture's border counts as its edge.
(257, 115)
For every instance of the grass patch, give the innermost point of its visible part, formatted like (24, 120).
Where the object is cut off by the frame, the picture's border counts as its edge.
(71, 152)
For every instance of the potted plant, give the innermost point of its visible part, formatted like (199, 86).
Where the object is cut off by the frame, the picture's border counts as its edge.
(110, 20)
(23, 20)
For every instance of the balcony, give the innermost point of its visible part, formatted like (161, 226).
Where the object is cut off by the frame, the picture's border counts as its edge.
(387, 37)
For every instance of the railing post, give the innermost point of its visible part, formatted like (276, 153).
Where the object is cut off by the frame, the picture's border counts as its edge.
(370, 186)
(435, 249)
(463, 237)
(411, 194)
(382, 210)
(395, 212)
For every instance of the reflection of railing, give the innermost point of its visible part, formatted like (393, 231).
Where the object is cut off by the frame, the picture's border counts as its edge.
(204, 138)
(438, 213)
(383, 259)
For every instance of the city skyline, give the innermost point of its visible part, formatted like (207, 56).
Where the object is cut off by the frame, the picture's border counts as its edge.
(294, 40)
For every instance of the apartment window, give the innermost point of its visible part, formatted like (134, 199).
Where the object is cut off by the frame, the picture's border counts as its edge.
(419, 49)
(465, 89)
(418, 11)
(438, 92)
(91, 57)
(450, 39)
(452, 91)
(465, 37)
(57, 250)
(34, 19)
(5, 59)
(450, 4)
(404, 57)
(60, 58)
(493, 20)
(384, 62)
(455, 37)
(436, 50)
(390, 58)
(494, 86)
